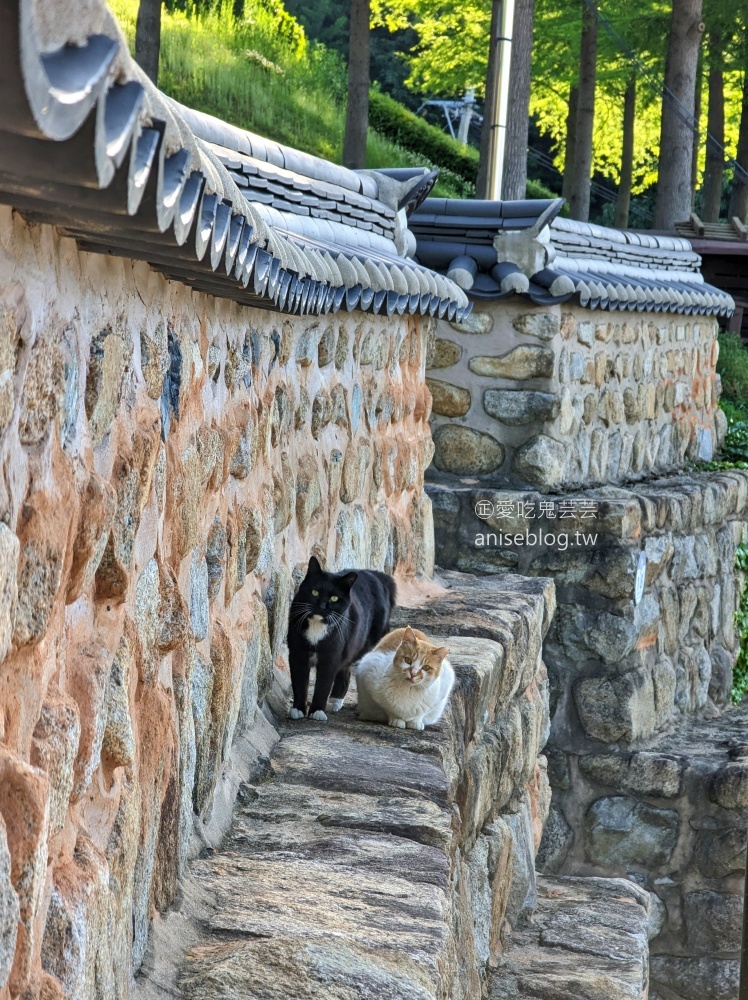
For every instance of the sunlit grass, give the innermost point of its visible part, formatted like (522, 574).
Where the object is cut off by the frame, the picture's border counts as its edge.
(262, 74)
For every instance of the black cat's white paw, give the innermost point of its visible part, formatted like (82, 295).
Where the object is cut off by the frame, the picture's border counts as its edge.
(334, 704)
(318, 716)
(295, 713)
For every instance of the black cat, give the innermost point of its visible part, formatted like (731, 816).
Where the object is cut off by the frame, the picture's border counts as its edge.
(335, 618)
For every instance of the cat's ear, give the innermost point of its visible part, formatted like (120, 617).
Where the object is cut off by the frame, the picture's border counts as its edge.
(440, 653)
(349, 579)
(314, 566)
(409, 635)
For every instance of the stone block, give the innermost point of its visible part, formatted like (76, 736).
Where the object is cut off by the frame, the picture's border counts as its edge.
(147, 601)
(556, 843)
(446, 354)
(54, 746)
(132, 478)
(88, 668)
(696, 978)
(720, 853)
(641, 772)
(463, 451)
(308, 493)
(9, 910)
(118, 741)
(43, 389)
(215, 557)
(714, 922)
(477, 322)
(306, 345)
(543, 325)
(9, 551)
(24, 807)
(155, 360)
(620, 830)
(448, 400)
(75, 932)
(107, 366)
(520, 363)
(541, 461)
(9, 323)
(626, 707)
(98, 507)
(326, 347)
(199, 585)
(519, 406)
(729, 787)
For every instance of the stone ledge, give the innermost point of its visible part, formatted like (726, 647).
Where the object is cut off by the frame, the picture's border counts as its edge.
(367, 861)
(587, 940)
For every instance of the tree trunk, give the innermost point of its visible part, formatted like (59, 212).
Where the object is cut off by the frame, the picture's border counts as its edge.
(148, 37)
(676, 138)
(490, 110)
(357, 110)
(714, 168)
(571, 140)
(623, 201)
(518, 119)
(739, 192)
(581, 178)
(696, 142)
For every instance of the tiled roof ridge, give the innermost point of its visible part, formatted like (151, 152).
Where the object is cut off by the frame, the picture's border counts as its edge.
(134, 173)
(494, 249)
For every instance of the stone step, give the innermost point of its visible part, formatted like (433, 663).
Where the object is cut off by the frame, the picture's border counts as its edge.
(587, 940)
(674, 817)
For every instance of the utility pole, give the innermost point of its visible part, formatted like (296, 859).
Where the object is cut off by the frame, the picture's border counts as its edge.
(493, 144)
(466, 114)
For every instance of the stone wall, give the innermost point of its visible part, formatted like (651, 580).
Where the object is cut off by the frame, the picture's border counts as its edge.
(168, 462)
(647, 765)
(674, 819)
(564, 396)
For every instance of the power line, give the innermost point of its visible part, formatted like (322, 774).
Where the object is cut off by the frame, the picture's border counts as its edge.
(602, 192)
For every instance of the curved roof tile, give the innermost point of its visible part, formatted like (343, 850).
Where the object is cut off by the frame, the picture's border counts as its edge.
(495, 249)
(216, 207)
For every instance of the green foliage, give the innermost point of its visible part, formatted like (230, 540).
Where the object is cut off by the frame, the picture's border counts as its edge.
(735, 447)
(452, 53)
(732, 366)
(398, 124)
(260, 72)
(740, 670)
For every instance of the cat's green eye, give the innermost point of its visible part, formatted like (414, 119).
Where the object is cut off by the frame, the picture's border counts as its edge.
(333, 598)
(408, 660)
(315, 593)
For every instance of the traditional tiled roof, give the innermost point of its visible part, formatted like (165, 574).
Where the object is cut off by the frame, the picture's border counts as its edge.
(494, 249)
(89, 144)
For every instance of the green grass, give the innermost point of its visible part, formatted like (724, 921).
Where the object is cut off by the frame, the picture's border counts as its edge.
(740, 670)
(261, 73)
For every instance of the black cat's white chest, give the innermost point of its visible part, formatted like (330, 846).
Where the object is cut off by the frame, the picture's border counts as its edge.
(316, 630)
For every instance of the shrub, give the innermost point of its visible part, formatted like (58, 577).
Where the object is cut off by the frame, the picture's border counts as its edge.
(732, 366)
(406, 129)
(740, 670)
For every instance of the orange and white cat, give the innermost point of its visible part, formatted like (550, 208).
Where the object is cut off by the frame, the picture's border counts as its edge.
(404, 681)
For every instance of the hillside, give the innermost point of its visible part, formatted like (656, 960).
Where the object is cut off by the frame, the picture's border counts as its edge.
(263, 74)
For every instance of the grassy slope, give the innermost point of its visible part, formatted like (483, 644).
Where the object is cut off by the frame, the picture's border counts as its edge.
(263, 75)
